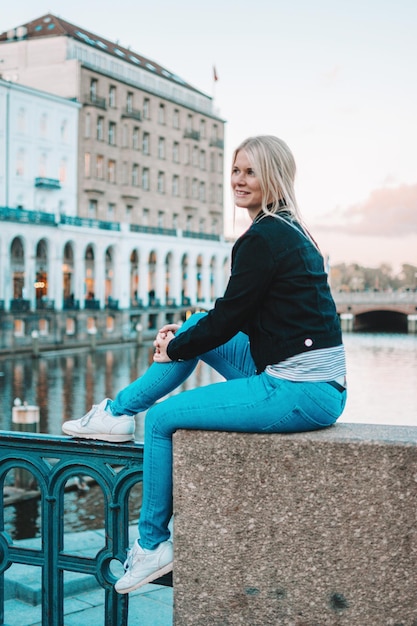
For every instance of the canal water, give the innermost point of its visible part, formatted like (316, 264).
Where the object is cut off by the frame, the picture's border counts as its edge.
(382, 389)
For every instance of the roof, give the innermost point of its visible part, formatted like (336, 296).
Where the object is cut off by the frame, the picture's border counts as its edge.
(50, 25)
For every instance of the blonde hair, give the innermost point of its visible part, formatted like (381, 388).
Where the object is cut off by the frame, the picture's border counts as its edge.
(274, 166)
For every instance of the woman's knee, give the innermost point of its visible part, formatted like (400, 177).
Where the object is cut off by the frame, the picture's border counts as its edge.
(191, 321)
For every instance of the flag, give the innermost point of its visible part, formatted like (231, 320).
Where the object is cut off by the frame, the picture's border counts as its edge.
(215, 77)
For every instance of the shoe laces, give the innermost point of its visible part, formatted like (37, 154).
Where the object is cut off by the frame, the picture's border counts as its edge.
(87, 417)
(129, 560)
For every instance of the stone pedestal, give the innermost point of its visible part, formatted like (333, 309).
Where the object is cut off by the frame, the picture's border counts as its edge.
(309, 529)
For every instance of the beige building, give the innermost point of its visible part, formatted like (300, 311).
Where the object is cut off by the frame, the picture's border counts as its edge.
(150, 145)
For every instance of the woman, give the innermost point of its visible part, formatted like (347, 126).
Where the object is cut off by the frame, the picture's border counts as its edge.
(274, 336)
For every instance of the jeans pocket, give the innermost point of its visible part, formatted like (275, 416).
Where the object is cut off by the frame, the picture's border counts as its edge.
(297, 421)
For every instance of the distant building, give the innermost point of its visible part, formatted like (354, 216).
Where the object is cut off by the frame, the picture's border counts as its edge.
(39, 150)
(150, 145)
(111, 194)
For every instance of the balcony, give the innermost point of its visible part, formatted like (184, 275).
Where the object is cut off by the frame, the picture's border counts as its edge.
(19, 305)
(112, 304)
(217, 143)
(47, 183)
(88, 223)
(192, 134)
(93, 100)
(44, 304)
(91, 303)
(8, 214)
(70, 304)
(208, 236)
(153, 230)
(133, 114)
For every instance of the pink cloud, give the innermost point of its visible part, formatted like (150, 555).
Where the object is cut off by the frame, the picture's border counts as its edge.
(389, 211)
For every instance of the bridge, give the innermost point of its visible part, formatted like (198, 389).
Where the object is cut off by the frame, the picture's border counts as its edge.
(384, 311)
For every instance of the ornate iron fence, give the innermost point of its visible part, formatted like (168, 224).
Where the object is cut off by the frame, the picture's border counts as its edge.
(52, 461)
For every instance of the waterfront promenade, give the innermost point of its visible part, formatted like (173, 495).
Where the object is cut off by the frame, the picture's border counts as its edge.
(152, 605)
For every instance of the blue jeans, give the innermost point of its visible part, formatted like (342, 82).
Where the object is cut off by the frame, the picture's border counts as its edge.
(244, 402)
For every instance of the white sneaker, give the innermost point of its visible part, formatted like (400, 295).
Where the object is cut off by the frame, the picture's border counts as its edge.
(143, 566)
(98, 424)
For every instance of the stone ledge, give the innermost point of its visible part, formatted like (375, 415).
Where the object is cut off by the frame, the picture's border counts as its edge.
(307, 529)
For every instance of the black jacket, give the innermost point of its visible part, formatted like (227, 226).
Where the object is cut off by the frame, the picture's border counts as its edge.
(277, 294)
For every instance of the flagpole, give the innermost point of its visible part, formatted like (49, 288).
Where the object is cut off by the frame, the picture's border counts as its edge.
(215, 79)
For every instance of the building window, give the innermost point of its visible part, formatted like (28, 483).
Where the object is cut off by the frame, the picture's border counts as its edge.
(20, 162)
(189, 123)
(202, 192)
(176, 119)
(93, 89)
(161, 182)
(125, 136)
(99, 166)
(19, 328)
(213, 162)
(146, 109)
(64, 131)
(21, 120)
(111, 211)
(189, 223)
(43, 126)
(112, 97)
(202, 225)
(220, 194)
(220, 163)
(215, 132)
(175, 220)
(161, 148)
(112, 133)
(135, 138)
(145, 217)
(63, 170)
(175, 185)
(212, 192)
(87, 126)
(195, 156)
(161, 114)
(87, 165)
(187, 188)
(202, 160)
(202, 129)
(145, 143)
(145, 179)
(129, 102)
(125, 179)
(129, 211)
(92, 209)
(135, 174)
(187, 154)
(176, 152)
(195, 189)
(111, 171)
(160, 219)
(42, 165)
(100, 128)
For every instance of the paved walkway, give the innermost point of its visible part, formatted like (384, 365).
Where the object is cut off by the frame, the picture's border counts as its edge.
(150, 605)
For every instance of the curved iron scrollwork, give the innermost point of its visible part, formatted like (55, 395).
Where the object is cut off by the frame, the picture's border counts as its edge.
(52, 461)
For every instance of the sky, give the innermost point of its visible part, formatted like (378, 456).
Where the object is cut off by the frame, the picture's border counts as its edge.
(335, 79)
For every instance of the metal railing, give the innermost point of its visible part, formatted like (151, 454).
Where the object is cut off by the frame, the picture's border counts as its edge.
(52, 461)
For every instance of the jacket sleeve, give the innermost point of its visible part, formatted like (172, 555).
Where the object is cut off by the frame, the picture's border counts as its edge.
(252, 272)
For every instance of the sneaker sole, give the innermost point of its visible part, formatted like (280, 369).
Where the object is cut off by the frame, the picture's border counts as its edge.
(158, 574)
(101, 437)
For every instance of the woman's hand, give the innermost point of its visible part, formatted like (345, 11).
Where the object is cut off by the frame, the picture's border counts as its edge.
(161, 342)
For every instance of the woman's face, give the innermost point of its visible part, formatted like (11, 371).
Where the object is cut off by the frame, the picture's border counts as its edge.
(246, 187)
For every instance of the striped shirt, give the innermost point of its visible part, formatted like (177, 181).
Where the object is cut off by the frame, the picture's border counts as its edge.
(315, 366)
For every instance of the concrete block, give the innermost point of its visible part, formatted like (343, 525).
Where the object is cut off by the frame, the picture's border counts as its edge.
(309, 529)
